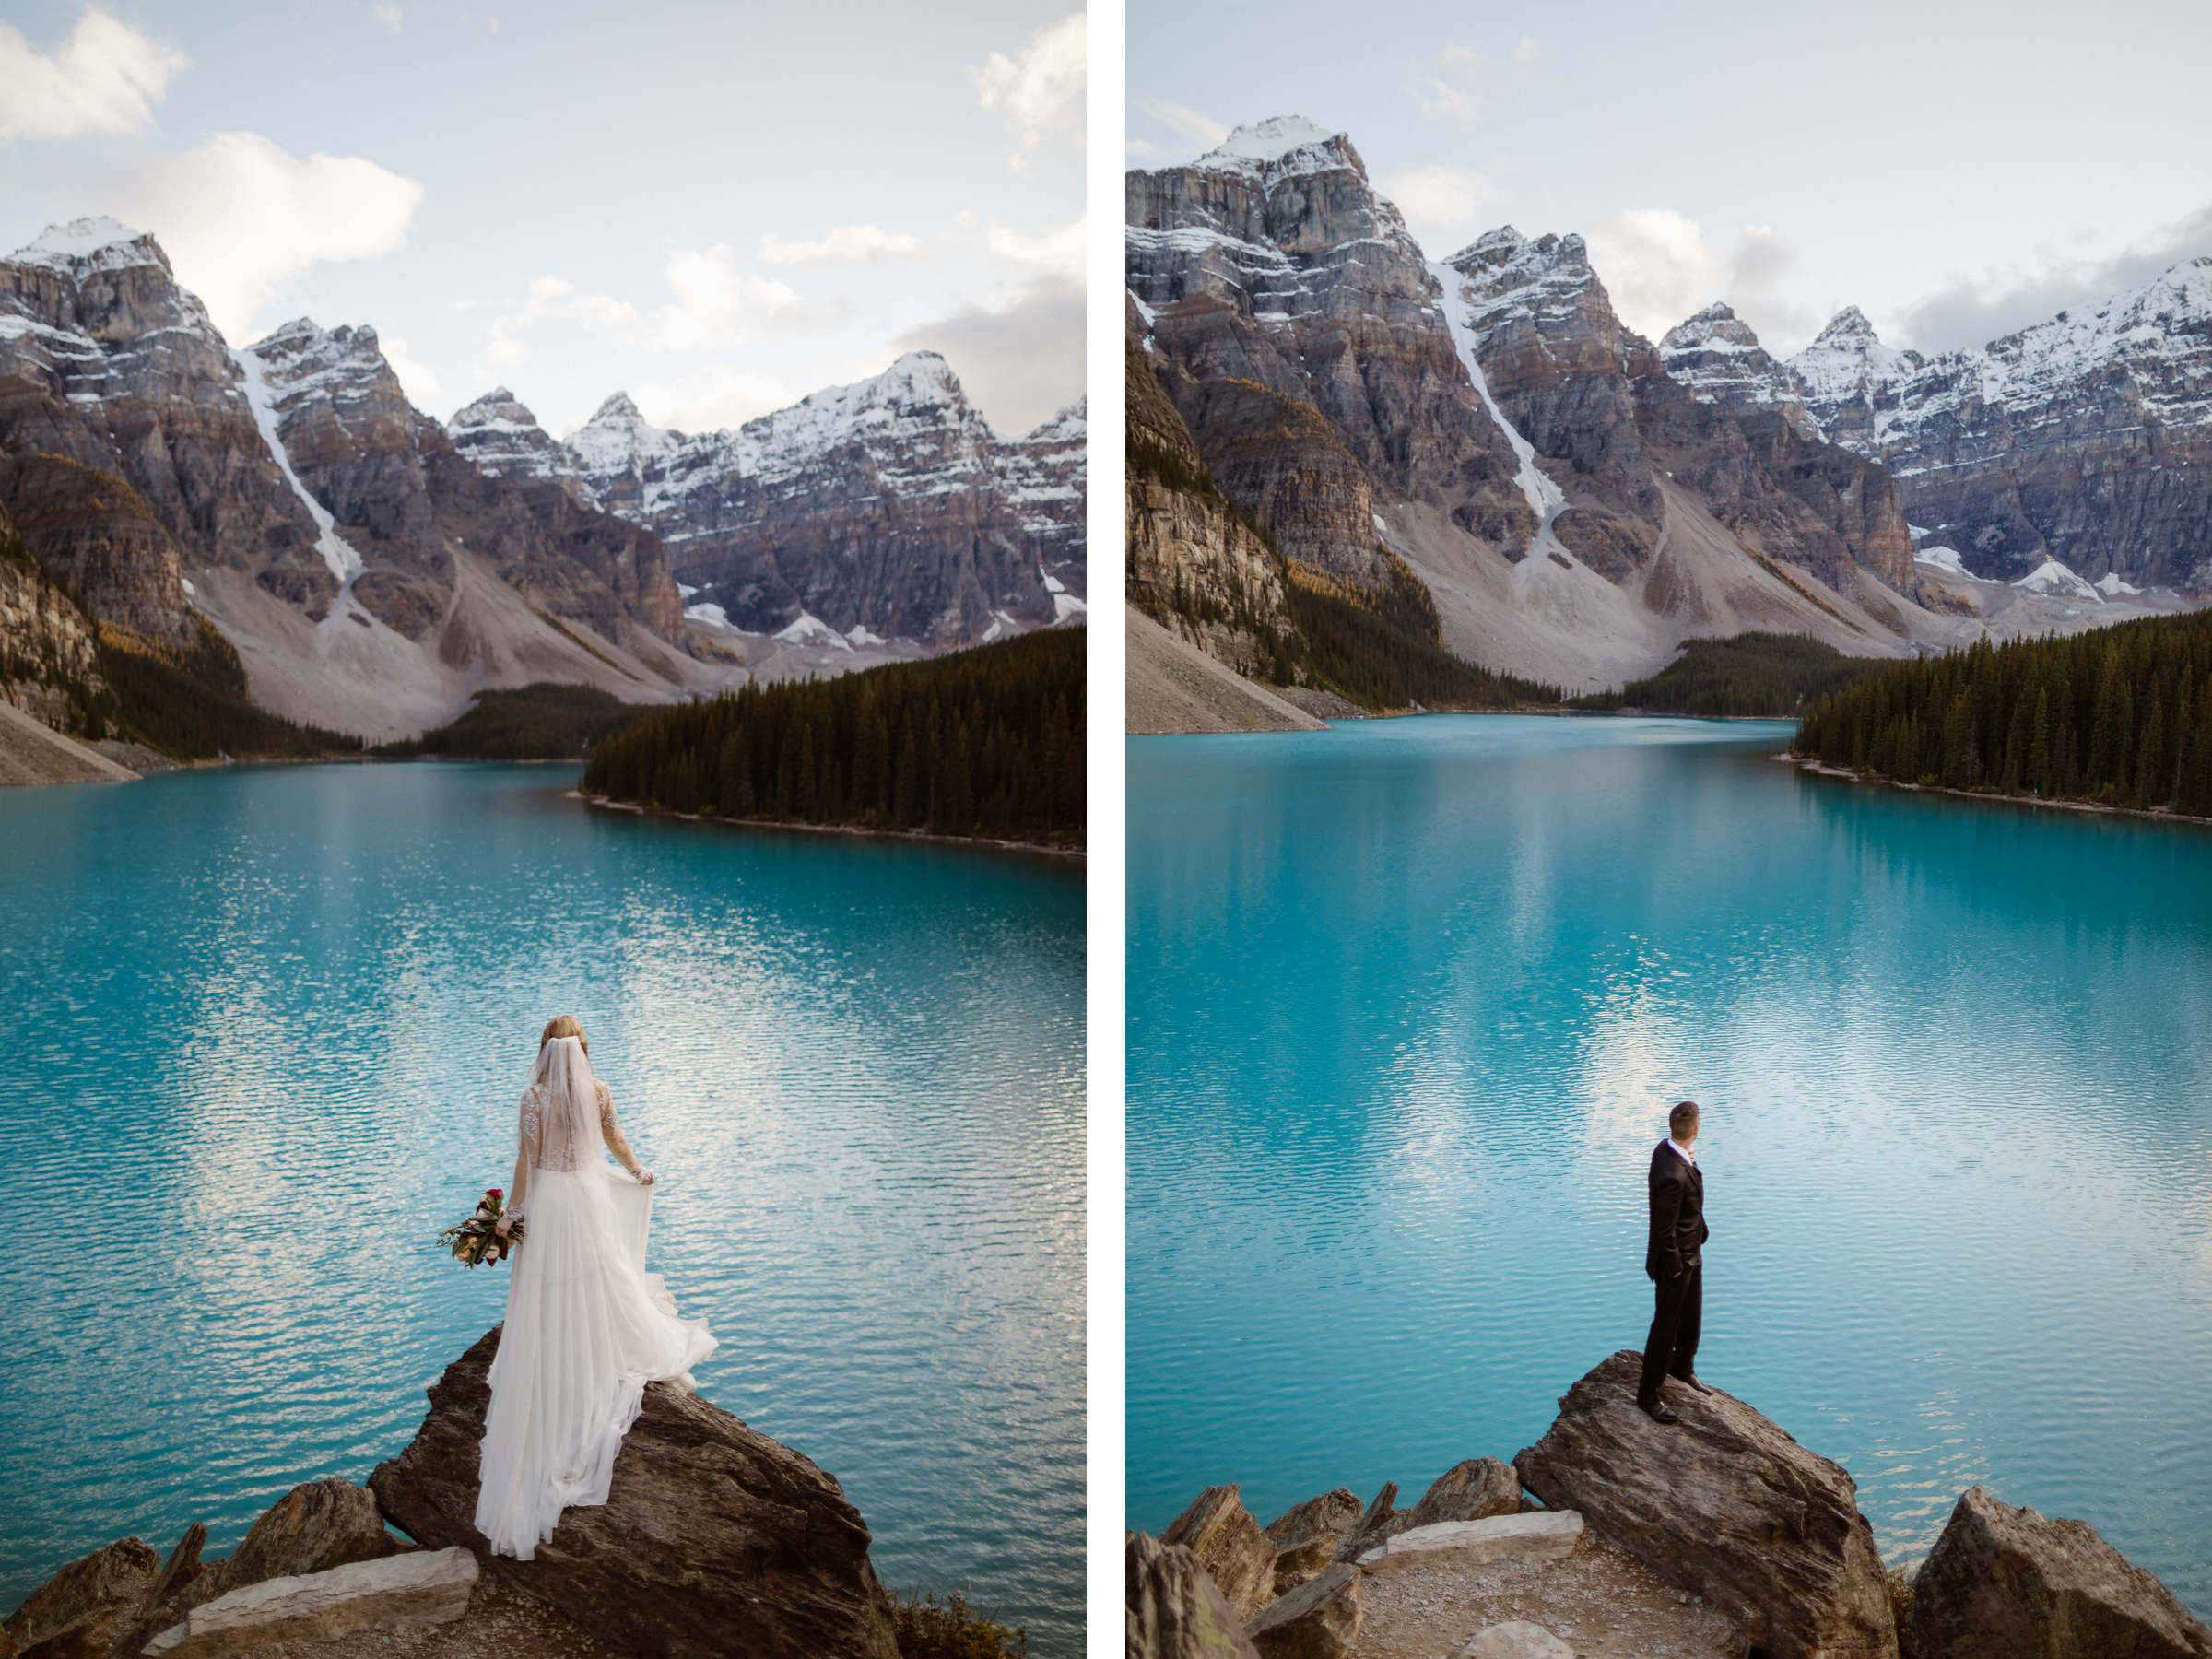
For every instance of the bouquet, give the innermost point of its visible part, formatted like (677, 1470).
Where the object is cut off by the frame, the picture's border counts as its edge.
(478, 1239)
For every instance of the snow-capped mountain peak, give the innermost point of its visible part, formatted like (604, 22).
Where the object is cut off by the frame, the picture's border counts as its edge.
(1716, 328)
(618, 440)
(500, 435)
(97, 244)
(1272, 140)
(1717, 356)
(302, 361)
(765, 520)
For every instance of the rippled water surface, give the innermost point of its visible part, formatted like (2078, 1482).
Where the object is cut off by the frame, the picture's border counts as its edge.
(1409, 1001)
(266, 1031)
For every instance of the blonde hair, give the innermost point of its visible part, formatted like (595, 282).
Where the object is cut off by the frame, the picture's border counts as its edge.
(564, 1025)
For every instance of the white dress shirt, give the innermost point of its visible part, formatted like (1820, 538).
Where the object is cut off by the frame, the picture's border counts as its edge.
(1682, 1151)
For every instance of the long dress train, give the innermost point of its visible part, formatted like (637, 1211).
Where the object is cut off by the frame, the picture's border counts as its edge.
(587, 1328)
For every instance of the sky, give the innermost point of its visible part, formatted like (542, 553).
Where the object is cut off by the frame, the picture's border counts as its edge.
(1956, 169)
(717, 208)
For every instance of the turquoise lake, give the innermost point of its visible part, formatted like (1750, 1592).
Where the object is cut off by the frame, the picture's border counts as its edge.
(268, 1027)
(1409, 1001)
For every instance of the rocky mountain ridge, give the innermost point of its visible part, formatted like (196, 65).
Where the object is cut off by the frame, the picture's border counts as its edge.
(2084, 441)
(1576, 500)
(885, 509)
(374, 568)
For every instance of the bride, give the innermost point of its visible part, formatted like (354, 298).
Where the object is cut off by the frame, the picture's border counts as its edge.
(587, 1327)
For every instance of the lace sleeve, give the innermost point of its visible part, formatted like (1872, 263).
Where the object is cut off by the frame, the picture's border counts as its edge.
(611, 1128)
(525, 1153)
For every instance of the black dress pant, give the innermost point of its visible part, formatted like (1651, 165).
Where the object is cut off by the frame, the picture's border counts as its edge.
(1671, 1350)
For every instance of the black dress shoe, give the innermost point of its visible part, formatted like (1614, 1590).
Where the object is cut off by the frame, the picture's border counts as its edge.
(1658, 1413)
(1693, 1383)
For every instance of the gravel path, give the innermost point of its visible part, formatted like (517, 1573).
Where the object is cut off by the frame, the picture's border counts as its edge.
(1598, 1601)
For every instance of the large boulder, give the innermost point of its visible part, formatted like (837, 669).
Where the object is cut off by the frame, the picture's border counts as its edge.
(2004, 1582)
(416, 1590)
(1175, 1611)
(1542, 1536)
(315, 1527)
(75, 1614)
(1472, 1490)
(1723, 1504)
(1319, 1619)
(1229, 1544)
(1306, 1534)
(1379, 1525)
(714, 1539)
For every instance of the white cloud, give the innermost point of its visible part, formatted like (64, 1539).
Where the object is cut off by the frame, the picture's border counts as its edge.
(1969, 312)
(106, 77)
(1039, 91)
(239, 216)
(1447, 198)
(552, 297)
(847, 244)
(1138, 148)
(1454, 90)
(1527, 52)
(1190, 123)
(415, 378)
(1019, 362)
(389, 16)
(712, 397)
(1655, 265)
(1057, 252)
(715, 300)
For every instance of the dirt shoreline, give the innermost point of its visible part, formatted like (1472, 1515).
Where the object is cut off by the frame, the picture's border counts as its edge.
(2159, 814)
(608, 803)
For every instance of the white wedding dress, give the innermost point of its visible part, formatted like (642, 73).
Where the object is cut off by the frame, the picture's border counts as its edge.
(587, 1327)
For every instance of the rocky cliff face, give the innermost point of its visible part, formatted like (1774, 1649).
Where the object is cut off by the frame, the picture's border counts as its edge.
(1301, 336)
(1601, 400)
(884, 510)
(2086, 440)
(405, 497)
(1194, 567)
(105, 361)
(1717, 357)
(49, 665)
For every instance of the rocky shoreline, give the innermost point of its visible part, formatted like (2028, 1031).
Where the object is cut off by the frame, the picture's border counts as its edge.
(608, 803)
(1617, 1537)
(2160, 815)
(714, 1539)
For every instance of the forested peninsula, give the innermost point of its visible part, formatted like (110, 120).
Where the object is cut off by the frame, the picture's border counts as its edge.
(2118, 717)
(984, 744)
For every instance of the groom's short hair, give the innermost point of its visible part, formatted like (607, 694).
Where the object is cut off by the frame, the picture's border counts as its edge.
(1682, 1117)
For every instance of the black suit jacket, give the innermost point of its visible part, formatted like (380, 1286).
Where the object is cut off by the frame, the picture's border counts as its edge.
(1677, 1214)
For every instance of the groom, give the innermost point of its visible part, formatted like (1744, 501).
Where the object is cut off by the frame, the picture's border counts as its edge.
(1672, 1259)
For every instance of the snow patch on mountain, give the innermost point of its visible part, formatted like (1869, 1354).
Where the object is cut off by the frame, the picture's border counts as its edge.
(2054, 579)
(339, 554)
(810, 630)
(1944, 559)
(2113, 587)
(1268, 144)
(1544, 498)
